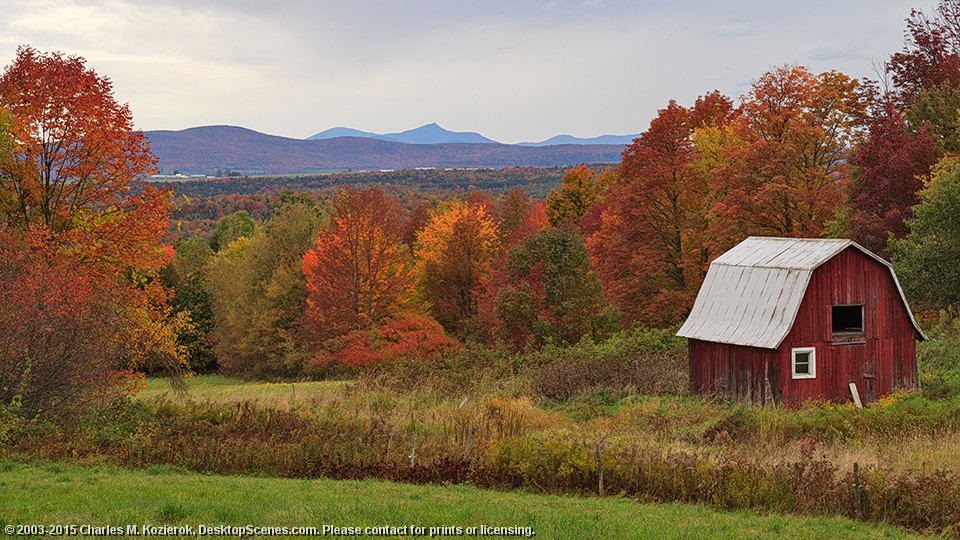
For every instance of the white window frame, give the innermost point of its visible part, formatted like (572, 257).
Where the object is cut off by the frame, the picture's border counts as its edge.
(813, 362)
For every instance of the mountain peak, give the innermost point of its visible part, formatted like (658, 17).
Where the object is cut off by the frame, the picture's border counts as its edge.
(432, 133)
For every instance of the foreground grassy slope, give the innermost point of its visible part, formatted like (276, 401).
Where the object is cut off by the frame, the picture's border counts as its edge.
(54, 493)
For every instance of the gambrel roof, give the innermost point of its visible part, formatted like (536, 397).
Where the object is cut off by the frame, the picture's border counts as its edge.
(752, 293)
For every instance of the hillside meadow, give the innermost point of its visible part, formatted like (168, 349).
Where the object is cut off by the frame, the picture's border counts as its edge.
(522, 426)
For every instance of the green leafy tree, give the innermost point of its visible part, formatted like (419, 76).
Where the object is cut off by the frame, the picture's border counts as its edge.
(186, 275)
(939, 107)
(232, 227)
(258, 295)
(552, 295)
(926, 260)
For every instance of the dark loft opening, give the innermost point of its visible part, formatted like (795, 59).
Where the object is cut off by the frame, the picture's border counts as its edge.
(847, 319)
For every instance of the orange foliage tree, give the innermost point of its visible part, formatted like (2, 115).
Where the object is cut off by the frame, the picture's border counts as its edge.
(61, 333)
(75, 164)
(455, 253)
(785, 175)
(359, 274)
(650, 249)
(70, 196)
(407, 337)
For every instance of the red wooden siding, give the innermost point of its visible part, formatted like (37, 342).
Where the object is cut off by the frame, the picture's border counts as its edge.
(736, 372)
(883, 361)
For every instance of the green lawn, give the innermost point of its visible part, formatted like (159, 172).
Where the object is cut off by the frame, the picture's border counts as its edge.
(60, 494)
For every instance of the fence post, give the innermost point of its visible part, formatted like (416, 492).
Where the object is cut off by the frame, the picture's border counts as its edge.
(856, 491)
(599, 469)
(466, 449)
(413, 449)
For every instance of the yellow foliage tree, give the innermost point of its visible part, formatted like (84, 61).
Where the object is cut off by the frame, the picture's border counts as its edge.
(455, 253)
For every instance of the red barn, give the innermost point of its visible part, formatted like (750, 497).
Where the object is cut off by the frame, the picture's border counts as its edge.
(784, 320)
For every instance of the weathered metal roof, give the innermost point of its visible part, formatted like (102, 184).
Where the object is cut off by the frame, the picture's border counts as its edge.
(752, 293)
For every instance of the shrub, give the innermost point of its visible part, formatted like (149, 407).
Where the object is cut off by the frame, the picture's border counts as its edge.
(939, 357)
(643, 361)
(63, 328)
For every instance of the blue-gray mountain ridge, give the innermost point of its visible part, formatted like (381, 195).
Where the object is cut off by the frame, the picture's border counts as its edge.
(434, 134)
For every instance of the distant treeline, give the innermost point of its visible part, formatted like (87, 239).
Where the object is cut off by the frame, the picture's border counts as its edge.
(536, 181)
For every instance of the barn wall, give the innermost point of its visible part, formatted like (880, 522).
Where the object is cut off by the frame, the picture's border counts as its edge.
(882, 362)
(747, 374)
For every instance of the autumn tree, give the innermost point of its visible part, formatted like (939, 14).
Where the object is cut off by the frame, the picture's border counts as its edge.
(515, 208)
(532, 221)
(75, 164)
(551, 294)
(650, 249)
(931, 53)
(258, 295)
(415, 221)
(407, 337)
(580, 188)
(359, 272)
(889, 169)
(61, 333)
(482, 199)
(787, 180)
(455, 253)
(75, 215)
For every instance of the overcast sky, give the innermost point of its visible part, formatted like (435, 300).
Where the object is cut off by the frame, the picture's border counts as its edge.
(511, 70)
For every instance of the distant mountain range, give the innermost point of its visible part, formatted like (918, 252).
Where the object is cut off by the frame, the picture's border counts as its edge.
(205, 150)
(434, 134)
(428, 134)
(622, 140)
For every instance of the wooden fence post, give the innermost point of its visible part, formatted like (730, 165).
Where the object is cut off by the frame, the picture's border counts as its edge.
(858, 513)
(599, 469)
(413, 449)
(466, 449)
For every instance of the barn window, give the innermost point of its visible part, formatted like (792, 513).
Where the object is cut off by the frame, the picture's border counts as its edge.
(848, 319)
(804, 362)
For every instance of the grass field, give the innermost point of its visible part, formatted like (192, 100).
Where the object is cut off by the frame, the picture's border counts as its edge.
(220, 389)
(893, 433)
(58, 494)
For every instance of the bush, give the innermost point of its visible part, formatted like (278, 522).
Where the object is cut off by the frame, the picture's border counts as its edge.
(939, 357)
(63, 331)
(639, 361)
